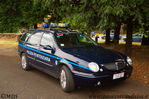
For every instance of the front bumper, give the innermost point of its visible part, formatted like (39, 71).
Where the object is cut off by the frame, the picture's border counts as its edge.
(84, 79)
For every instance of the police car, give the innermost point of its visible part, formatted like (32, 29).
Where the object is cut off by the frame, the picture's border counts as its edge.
(72, 57)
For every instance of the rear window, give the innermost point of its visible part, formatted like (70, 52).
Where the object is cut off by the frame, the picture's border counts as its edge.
(35, 38)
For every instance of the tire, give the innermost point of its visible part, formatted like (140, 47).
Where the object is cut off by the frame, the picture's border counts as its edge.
(24, 63)
(66, 80)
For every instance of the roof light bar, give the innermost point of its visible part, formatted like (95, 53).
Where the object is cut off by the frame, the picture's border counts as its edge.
(60, 25)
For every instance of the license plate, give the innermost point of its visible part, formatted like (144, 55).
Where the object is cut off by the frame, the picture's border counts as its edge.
(119, 75)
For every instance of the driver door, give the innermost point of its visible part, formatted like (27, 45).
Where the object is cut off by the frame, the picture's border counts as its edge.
(45, 61)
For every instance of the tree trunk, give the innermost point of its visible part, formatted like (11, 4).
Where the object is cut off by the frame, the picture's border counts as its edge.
(116, 34)
(128, 49)
(107, 36)
(145, 41)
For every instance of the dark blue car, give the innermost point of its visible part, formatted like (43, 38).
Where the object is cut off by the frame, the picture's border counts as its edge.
(72, 57)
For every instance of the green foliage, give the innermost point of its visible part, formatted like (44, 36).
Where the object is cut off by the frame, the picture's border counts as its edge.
(84, 15)
(9, 13)
(142, 30)
(16, 14)
(75, 22)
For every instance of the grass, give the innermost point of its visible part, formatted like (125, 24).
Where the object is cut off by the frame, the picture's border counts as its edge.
(133, 43)
(8, 42)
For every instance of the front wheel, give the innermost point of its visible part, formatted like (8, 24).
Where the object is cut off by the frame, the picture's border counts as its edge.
(24, 63)
(66, 80)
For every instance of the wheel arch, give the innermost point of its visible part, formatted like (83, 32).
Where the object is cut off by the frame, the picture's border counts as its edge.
(21, 53)
(69, 66)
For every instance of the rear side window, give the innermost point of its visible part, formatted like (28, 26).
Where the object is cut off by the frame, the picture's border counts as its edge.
(46, 40)
(25, 36)
(35, 38)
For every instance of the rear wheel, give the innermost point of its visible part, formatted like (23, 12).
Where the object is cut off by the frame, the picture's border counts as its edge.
(66, 80)
(24, 63)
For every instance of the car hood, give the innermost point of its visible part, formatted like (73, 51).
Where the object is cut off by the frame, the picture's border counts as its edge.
(99, 55)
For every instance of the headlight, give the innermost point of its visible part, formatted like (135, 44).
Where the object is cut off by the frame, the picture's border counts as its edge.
(93, 67)
(129, 60)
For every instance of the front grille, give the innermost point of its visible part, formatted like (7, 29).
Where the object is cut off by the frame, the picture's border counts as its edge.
(120, 65)
(115, 65)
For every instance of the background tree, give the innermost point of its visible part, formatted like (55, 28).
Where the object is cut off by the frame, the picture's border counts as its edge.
(84, 15)
(9, 15)
(133, 17)
(16, 14)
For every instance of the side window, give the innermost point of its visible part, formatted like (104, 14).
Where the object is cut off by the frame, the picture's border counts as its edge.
(35, 38)
(46, 40)
(25, 36)
(83, 39)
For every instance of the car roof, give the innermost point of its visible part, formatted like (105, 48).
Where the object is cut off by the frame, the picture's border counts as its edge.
(53, 30)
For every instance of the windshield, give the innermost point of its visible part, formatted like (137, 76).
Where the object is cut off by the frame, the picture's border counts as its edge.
(70, 40)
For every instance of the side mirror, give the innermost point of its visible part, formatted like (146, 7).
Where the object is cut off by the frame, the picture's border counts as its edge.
(48, 47)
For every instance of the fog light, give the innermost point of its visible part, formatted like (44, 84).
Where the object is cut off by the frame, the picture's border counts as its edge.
(98, 83)
(127, 64)
(101, 70)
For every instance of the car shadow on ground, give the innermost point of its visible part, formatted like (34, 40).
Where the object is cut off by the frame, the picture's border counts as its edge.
(106, 86)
